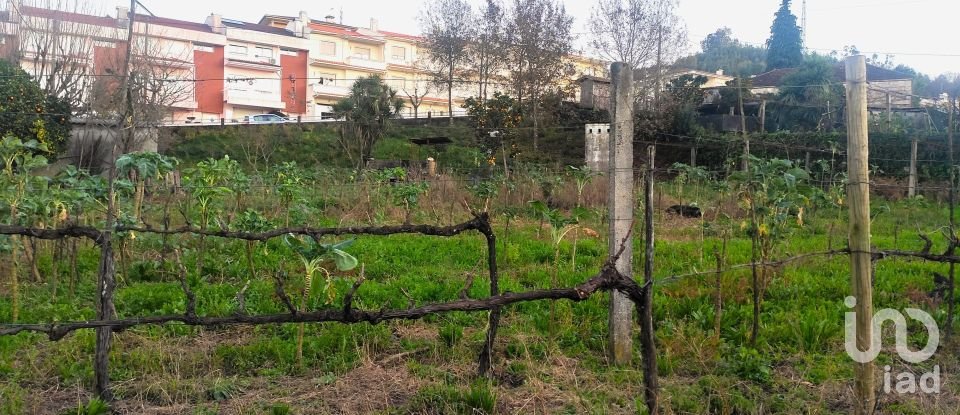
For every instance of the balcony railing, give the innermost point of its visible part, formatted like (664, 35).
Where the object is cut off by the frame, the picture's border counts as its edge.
(253, 98)
(367, 63)
(331, 89)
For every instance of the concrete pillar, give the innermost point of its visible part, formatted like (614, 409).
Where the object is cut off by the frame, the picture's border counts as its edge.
(597, 144)
(621, 205)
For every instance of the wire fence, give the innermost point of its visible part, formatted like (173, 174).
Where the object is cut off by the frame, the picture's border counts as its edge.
(511, 187)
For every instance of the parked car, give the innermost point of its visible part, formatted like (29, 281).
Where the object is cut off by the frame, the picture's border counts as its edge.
(264, 119)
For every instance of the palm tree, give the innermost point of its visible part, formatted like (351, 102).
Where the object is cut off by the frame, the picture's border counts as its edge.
(365, 113)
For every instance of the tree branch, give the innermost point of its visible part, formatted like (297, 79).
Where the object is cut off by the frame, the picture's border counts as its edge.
(191, 298)
(606, 280)
(475, 224)
(53, 234)
(348, 299)
(278, 289)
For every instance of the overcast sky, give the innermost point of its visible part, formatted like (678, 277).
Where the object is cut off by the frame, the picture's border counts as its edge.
(917, 32)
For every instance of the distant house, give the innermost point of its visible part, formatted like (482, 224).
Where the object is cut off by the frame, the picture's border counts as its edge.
(883, 83)
(595, 91)
(714, 79)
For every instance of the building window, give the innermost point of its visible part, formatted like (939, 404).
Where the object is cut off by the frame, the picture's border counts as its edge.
(238, 50)
(361, 53)
(264, 54)
(203, 48)
(325, 78)
(398, 53)
(328, 48)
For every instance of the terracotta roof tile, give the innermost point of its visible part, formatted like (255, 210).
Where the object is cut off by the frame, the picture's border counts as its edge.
(772, 78)
(402, 36)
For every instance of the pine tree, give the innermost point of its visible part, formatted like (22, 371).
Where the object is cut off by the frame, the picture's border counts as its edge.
(785, 46)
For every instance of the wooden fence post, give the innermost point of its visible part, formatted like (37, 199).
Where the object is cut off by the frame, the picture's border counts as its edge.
(858, 195)
(648, 345)
(621, 202)
(951, 302)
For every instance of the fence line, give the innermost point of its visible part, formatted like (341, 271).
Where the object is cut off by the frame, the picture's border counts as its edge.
(607, 279)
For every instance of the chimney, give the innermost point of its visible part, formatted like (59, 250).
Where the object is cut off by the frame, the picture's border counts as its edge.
(215, 21)
(13, 7)
(374, 25)
(720, 72)
(304, 19)
(123, 16)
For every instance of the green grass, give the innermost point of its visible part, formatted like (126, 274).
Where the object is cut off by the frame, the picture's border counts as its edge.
(315, 145)
(798, 362)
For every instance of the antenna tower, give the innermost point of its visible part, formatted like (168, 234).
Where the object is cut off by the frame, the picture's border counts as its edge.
(803, 24)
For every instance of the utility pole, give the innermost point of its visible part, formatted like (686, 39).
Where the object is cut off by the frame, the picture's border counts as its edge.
(743, 126)
(659, 78)
(620, 205)
(803, 24)
(912, 185)
(763, 116)
(858, 194)
(889, 113)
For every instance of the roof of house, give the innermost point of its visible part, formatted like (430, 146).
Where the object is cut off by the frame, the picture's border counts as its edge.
(257, 27)
(688, 71)
(267, 17)
(402, 36)
(874, 73)
(106, 20)
(68, 16)
(593, 78)
(324, 26)
(774, 78)
(336, 29)
(180, 24)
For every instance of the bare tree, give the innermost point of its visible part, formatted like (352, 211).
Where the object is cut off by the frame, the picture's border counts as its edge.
(447, 34)
(57, 52)
(621, 31)
(671, 37)
(487, 54)
(161, 77)
(647, 34)
(539, 40)
(416, 90)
